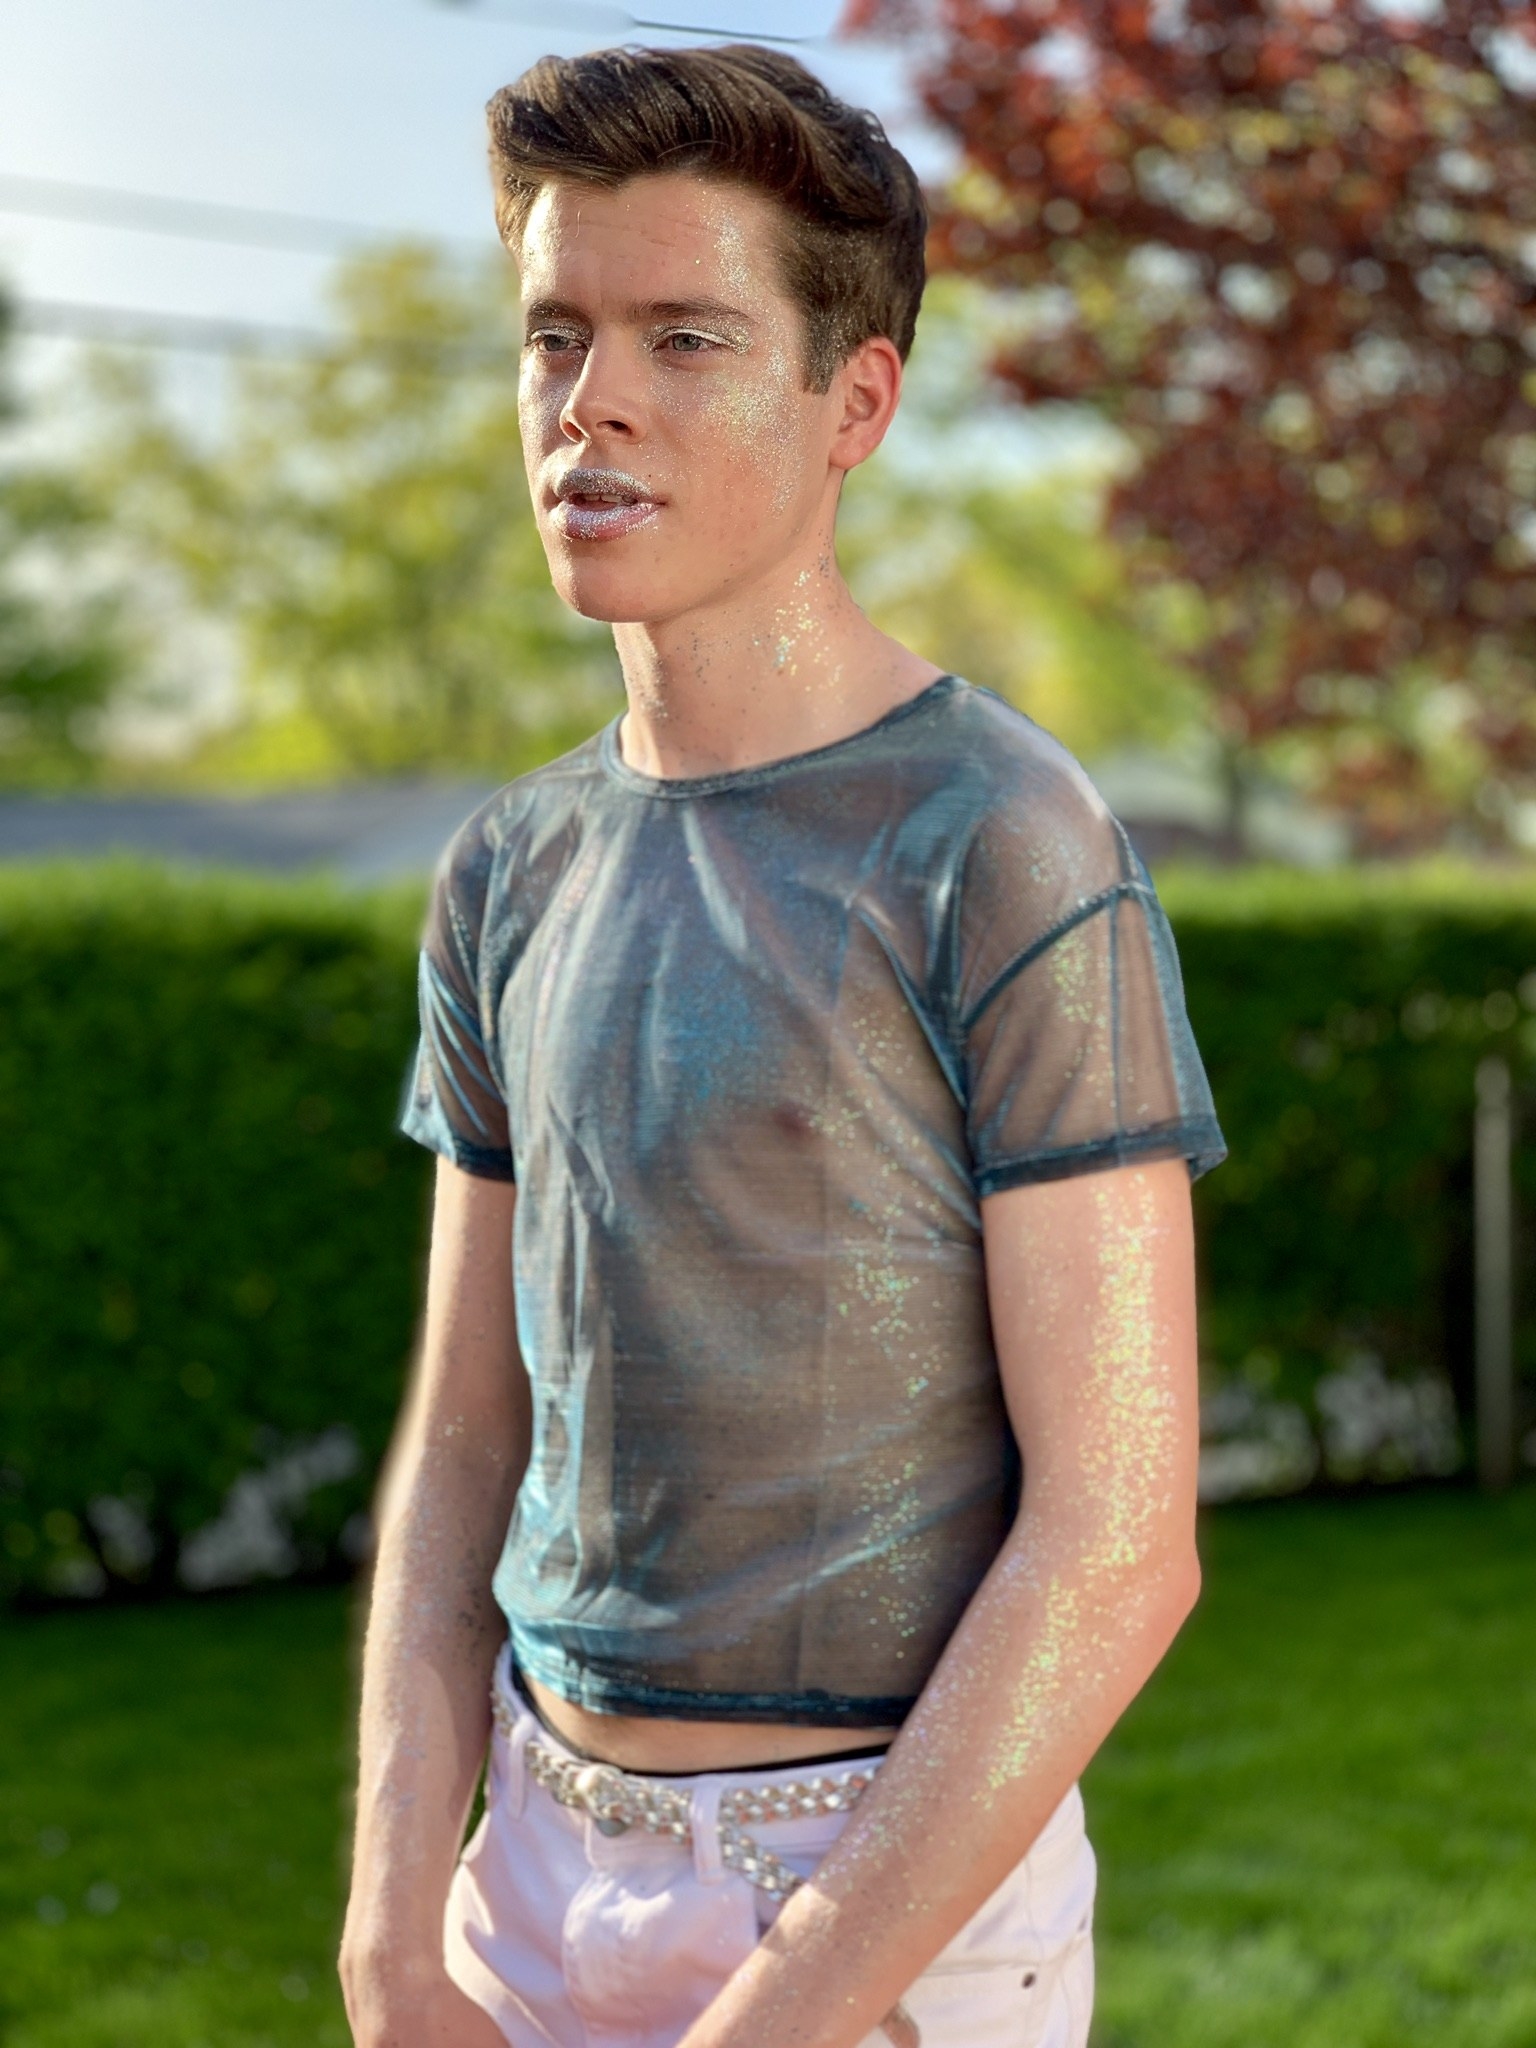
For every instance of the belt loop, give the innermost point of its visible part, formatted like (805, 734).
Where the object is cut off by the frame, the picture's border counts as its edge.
(704, 1825)
(516, 1790)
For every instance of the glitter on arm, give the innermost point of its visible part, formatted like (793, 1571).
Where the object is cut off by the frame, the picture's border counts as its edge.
(1093, 1303)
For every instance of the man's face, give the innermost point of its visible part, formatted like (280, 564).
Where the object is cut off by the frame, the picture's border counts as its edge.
(674, 453)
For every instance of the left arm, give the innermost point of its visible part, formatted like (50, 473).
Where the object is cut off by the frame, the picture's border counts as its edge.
(1091, 1285)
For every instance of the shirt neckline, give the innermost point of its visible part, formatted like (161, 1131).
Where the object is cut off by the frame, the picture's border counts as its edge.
(675, 786)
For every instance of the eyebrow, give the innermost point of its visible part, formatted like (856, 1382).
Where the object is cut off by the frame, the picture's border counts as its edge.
(642, 311)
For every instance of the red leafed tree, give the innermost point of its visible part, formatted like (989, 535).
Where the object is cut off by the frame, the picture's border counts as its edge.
(1290, 250)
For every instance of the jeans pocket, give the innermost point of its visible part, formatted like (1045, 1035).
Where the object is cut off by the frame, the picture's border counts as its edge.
(1031, 2002)
(1042, 1908)
(646, 1946)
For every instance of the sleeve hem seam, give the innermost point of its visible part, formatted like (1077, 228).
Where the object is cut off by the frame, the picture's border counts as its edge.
(483, 1162)
(1199, 1141)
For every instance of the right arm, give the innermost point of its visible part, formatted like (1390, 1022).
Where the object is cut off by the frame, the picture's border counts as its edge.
(449, 1485)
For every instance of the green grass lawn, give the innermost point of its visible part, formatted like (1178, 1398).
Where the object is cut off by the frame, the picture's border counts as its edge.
(172, 1785)
(1317, 1829)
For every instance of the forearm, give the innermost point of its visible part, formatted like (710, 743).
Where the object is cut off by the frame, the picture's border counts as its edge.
(1048, 1655)
(447, 1495)
(433, 1634)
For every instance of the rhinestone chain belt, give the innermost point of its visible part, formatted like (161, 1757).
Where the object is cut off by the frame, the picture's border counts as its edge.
(619, 1800)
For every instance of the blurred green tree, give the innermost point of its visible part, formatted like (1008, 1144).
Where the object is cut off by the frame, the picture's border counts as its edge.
(362, 522)
(64, 654)
(1289, 250)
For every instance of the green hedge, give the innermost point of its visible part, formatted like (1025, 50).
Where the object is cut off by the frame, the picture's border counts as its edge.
(1342, 1018)
(211, 1238)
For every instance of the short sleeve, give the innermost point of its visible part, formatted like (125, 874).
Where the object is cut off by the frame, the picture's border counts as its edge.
(1077, 1048)
(454, 1104)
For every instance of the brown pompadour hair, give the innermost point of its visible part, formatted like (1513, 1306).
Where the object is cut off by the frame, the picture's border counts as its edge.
(852, 214)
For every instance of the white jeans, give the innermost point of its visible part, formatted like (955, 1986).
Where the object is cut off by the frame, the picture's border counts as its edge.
(570, 1938)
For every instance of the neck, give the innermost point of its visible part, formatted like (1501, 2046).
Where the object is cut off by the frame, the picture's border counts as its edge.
(787, 666)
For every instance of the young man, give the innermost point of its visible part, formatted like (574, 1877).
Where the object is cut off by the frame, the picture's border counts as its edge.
(817, 1111)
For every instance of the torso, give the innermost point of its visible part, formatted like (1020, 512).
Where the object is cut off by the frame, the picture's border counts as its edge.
(750, 1296)
(755, 1046)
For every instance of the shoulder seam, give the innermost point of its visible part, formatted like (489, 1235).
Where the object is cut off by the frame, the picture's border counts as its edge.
(1016, 966)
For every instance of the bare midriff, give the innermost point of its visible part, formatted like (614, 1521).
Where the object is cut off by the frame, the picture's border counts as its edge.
(642, 1742)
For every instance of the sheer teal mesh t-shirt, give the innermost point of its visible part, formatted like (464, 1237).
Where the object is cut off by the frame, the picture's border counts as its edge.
(754, 1048)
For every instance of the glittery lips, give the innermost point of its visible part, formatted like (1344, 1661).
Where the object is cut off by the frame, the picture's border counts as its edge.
(601, 504)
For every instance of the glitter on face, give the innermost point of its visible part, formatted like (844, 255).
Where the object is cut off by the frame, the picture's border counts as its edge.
(710, 407)
(717, 569)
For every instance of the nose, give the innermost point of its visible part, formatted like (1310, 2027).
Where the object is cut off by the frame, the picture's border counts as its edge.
(605, 401)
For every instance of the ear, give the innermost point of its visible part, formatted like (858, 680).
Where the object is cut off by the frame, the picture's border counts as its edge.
(865, 391)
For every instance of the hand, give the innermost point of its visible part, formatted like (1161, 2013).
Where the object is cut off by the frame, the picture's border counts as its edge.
(433, 2013)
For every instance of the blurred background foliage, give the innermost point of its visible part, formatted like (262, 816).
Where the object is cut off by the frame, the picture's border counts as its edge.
(1290, 252)
(64, 649)
(362, 527)
(211, 1237)
(1216, 443)
(998, 569)
(209, 1231)
(1284, 260)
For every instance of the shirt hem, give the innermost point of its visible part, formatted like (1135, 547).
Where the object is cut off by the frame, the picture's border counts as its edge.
(632, 1696)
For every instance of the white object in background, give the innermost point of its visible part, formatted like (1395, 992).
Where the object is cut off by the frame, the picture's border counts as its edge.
(1493, 1229)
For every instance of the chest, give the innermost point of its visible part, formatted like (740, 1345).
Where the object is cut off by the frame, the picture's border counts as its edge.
(685, 982)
